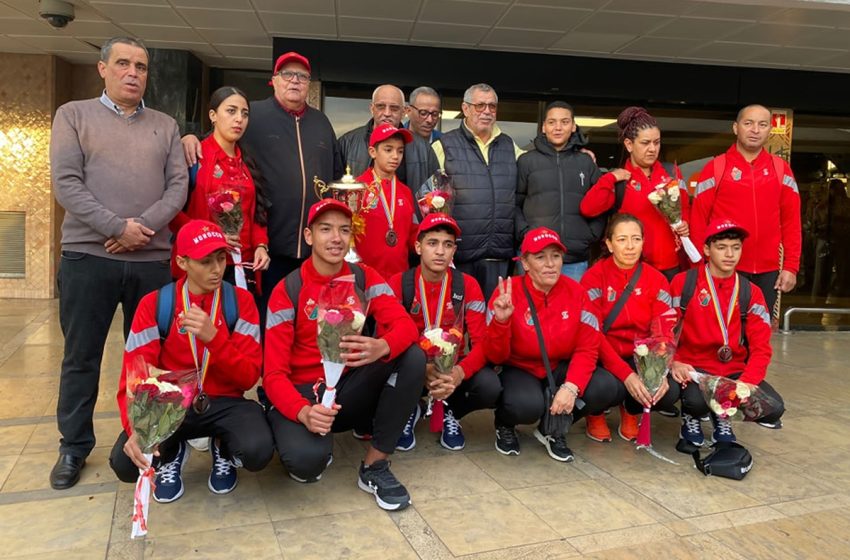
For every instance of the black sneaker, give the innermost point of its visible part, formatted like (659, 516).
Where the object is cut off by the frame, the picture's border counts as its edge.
(672, 412)
(771, 425)
(556, 446)
(377, 479)
(507, 442)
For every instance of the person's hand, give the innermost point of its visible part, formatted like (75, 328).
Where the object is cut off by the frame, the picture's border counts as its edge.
(442, 387)
(682, 230)
(431, 373)
(681, 373)
(134, 452)
(662, 390)
(191, 149)
(589, 153)
(198, 322)
(233, 241)
(786, 281)
(261, 259)
(564, 400)
(621, 174)
(135, 235)
(362, 350)
(113, 247)
(317, 418)
(503, 305)
(636, 388)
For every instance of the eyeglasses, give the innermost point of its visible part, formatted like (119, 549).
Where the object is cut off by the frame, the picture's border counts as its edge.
(479, 107)
(384, 106)
(290, 76)
(425, 114)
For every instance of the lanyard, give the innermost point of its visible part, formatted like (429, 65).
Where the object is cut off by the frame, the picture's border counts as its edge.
(724, 325)
(388, 212)
(440, 303)
(193, 344)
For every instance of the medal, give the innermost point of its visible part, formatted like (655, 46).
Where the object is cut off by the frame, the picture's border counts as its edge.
(391, 238)
(724, 353)
(389, 211)
(201, 402)
(441, 303)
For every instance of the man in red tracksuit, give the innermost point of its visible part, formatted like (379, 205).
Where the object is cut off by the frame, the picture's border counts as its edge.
(239, 432)
(758, 191)
(470, 385)
(704, 347)
(384, 376)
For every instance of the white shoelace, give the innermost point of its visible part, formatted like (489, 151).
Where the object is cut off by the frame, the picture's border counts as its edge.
(450, 424)
(692, 425)
(410, 423)
(222, 466)
(168, 472)
(724, 427)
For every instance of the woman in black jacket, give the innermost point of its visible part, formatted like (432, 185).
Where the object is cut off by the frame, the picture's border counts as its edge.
(552, 179)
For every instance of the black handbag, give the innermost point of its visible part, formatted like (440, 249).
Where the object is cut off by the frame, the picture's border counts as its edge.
(729, 460)
(550, 424)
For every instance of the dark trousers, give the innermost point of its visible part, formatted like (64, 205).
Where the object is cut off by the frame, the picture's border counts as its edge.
(486, 272)
(667, 402)
(693, 402)
(238, 423)
(480, 391)
(523, 400)
(90, 289)
(380, 395)
(766, 281)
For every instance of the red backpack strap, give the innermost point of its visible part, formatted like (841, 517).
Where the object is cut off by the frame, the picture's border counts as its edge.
(719, 163)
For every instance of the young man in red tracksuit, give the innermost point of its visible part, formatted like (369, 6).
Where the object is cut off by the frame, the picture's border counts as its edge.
(388, 206)
(704, 347)
(237, 427)
(384, 376)
(470, 385)
(758, 191)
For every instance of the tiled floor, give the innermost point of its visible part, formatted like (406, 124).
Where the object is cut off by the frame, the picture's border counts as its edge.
(613, 502)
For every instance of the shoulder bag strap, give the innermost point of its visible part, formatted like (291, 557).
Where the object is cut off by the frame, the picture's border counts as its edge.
(540, 340)
(621, 301)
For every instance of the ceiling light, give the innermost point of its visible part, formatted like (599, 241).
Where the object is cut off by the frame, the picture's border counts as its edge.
(593, 122)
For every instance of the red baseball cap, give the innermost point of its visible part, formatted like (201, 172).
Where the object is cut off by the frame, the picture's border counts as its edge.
(436, 219)
(384, 131)
(538, 239)
(720, 225)
(325, 205)
(291, 57)
(199, 238)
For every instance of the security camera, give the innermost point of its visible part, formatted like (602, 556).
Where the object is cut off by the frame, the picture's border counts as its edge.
(57, 13)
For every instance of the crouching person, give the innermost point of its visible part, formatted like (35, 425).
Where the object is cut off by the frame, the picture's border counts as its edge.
(219, 323)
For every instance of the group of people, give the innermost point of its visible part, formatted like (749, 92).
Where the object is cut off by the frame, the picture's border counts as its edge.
(129, 184)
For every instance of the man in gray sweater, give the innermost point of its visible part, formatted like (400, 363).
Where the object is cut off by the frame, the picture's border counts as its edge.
(118, 170)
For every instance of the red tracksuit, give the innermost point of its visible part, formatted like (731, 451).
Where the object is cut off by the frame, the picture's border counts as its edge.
(660, 243)
(701, 336)
(649, 301)
(292, 354)
(235, 358)
(752, 196)
(372, 246)
(473, 314)
(570, 331)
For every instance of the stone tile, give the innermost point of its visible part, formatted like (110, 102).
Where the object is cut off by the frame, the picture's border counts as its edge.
(48, 526)
(690, 548)
(579, 508)
(49, 333)
(447, 476)
(529, 469)
(829, 466)
(20, 402)
(552, 550)
(75, 554)
(814, 505)
(13, 439)
(46, 435)
(632, 536)
(801, 433)
(359, 534)
(7, 462)
(33, 360)
(420, 536)
(32, 471)
(619, 458)
(717, 521)
(772, 480)
(249, 541)
(484, 522)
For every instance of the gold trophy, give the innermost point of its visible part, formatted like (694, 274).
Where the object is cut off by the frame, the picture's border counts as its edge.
(350, 192)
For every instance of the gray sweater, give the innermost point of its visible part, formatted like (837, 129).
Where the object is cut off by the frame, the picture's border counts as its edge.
(106, 168)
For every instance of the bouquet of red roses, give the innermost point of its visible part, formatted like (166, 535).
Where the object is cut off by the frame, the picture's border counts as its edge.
(340, 312)
(225, 206)
(734, 400)
(436, 194)
(442, 348)
(157, 402)
(653, 357)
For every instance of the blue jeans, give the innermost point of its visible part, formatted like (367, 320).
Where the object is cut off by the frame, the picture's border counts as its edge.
(574, 270)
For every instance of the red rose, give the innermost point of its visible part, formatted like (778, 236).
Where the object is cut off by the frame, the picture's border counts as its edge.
(149, 388)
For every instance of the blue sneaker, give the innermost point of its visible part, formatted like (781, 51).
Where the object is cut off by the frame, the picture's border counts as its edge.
(452, 438)
(169, 477)
(407, 440)
(722, 430)
(223, 473)
(691, 430)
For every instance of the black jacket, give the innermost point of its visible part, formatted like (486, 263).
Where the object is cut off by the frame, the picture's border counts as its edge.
(289, 153)
(550, 186)
(419, 162)
(484, 194)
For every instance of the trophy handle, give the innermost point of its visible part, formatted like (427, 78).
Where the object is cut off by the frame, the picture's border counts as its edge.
(320, 187)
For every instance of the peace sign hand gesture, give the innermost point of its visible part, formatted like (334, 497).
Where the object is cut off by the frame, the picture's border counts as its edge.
(503, 305)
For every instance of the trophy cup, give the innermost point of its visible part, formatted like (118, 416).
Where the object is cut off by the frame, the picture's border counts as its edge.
(350, 192)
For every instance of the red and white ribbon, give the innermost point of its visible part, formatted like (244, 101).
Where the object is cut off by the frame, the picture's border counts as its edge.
(142, 499)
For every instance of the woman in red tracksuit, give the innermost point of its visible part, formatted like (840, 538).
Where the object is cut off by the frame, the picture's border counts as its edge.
(646, 312)
(224, 167)
(571, 337)
(642, 172)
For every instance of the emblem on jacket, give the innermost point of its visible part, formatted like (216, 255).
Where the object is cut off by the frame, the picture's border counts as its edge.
(217, 171)
(528, 320)
(637, 291)
(415, 307)
(565, 315)
(764, 172)
(704, 297)
(311, 310)
(635, 185)
(736, 174)
(611, 295)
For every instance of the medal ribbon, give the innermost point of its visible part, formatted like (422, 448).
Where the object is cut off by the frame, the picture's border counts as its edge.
(388, 212)
(193, 344)
(733, 301)
(441, 302)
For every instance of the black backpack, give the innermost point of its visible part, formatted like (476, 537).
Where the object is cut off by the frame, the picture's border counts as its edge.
(744, 295)
(408, 289)
(167, 296)
(620, 188)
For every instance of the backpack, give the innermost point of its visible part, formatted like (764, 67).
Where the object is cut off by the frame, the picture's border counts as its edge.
(292, 283)
(165, 302)
(620, 188)
(744, 295)
(719, 170)
(408, 290)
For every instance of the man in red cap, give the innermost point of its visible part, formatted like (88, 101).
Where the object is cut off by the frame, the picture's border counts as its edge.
(439, 297)
(388, 206)
(725, 330)
(383, 378)
(210, 330)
